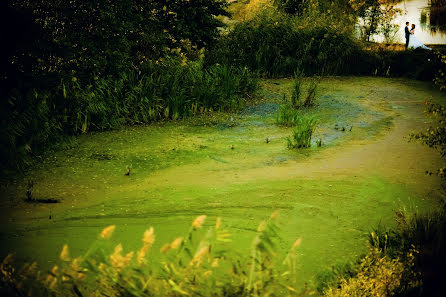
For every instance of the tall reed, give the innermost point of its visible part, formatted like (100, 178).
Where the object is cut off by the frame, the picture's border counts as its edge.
(201, 263)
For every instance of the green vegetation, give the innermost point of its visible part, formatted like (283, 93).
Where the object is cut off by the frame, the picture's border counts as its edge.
(94, 66)
(144, 62)
(435, 137)
(185, 168)
(440, 77)
(161, 91)
(405, 261)
(297, 90)
(302, 133)
(287, 115)
(147, 115)
(201, 263)
(277, 45)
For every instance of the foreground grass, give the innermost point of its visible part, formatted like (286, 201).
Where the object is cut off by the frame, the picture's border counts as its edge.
(221, 165)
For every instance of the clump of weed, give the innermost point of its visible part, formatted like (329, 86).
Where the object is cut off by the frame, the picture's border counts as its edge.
(296, 92)
(425, 234)
(310, 99)
(287, 115)
(301, 96)
(302, 134)
(377, 275)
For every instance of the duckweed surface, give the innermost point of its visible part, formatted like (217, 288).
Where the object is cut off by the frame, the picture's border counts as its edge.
(222, 165)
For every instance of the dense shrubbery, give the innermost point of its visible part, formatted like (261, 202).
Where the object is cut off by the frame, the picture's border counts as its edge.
(199, 264)
(378, 275)
(32, 118)
(440, 76)
(406, 261)
(83, 38)
(275, 45)
(417, 64)
(98, 65)
(422, 234)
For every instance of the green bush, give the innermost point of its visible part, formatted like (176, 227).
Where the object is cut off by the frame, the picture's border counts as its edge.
(377, 275)
(423, 233)
(106, 37)
(289, 112)
(275, 45)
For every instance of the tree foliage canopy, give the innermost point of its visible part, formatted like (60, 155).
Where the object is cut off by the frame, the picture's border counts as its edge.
(107, 36)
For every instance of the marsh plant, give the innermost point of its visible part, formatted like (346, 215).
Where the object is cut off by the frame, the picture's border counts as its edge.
(287, 115)
(310, 98)
(302, 133)
(167, 90)
(303, 96)
(202, 263)
(296, 92)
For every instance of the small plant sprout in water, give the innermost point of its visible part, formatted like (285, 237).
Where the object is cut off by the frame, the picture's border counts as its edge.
(310, 99)
(128, 168)
(297, 89)
(302, 133)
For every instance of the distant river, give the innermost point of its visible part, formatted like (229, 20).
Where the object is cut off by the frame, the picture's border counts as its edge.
(430, 24)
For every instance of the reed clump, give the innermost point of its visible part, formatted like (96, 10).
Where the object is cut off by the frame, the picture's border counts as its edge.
(201, 263)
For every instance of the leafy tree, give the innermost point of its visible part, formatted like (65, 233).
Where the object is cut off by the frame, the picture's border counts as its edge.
(440, 76)
(85, 38)
(376, 16)
(292, 6)
(299, 7)
(72, 64)
(191, 19)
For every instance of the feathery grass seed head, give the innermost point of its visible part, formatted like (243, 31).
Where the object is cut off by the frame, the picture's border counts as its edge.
(108, 231)
(198, 222)
(218, 223)
(65, 253)
(176, 243)
(149, 237)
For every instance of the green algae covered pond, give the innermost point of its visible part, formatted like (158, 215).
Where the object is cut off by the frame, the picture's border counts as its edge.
(221, 165)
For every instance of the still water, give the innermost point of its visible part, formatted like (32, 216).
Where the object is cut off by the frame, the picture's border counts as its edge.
(430, 22)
